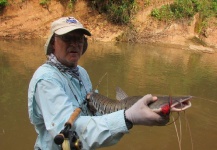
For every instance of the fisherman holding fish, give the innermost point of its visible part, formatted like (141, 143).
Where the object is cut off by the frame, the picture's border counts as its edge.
(60, 85)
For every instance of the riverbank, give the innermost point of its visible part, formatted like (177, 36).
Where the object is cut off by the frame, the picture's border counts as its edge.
(28, 19)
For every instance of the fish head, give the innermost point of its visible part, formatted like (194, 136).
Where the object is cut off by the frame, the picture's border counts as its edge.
(166, 104)
(180, 103)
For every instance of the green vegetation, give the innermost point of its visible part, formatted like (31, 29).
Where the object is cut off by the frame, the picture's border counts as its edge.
(44, 2)
(186, 9)
(70, 3)
(147, 2)
(118, 12)
(3, 3)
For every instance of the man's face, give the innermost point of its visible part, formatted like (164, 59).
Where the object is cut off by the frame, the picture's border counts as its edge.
(68, 48)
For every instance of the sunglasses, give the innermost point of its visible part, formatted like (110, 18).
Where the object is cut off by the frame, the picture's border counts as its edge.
(67, 38)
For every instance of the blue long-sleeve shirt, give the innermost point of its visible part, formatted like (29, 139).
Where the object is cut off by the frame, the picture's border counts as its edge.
(52, 98)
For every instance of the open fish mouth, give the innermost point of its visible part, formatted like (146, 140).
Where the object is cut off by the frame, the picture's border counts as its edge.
(181, 105)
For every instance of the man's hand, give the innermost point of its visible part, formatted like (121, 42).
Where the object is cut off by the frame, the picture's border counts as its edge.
(141, 114)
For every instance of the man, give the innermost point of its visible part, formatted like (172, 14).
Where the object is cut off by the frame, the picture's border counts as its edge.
(60, 85)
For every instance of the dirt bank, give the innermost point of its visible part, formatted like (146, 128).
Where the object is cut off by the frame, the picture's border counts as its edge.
(28, 19)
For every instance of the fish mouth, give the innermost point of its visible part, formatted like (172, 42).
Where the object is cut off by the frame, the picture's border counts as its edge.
(180, 105)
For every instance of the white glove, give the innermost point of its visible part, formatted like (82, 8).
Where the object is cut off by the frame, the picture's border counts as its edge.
(141, 114)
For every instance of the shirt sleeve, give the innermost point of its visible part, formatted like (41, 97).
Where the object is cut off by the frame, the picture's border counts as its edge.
(54, 105)
(100, 131)
(94, 131)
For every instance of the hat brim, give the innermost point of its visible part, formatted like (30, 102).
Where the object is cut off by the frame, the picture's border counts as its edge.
(47, 45)
(65, 30)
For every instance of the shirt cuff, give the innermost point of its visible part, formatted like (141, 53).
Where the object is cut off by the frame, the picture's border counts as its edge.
(116, 122)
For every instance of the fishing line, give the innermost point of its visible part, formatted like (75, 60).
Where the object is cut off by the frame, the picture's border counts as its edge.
(100, 80)
(206, 99)
(180, 123)
(177, 134)
(188, 126)
(180, 126)
(180, 131)
(177, 117)
(173, 120)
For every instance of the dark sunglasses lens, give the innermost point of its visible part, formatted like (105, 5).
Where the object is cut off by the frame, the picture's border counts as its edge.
(69, 38)
(66, 38)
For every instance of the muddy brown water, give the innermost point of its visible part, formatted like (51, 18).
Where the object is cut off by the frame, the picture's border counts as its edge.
(138, 69)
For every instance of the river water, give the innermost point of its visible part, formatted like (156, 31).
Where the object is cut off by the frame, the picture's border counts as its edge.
(138, 69)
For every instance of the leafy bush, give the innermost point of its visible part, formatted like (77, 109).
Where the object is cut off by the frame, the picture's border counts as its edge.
(118, 12)
(183, 9)
(44, 2)
(186, 9)
(3, 3)
(214, 7)
(163, 14)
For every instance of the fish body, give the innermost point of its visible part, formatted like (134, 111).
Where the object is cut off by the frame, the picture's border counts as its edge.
(164, 105)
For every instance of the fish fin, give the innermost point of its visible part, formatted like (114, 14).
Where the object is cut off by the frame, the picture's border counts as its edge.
(120, 94)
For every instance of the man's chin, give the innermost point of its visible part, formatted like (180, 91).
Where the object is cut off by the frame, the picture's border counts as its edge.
(72, 63)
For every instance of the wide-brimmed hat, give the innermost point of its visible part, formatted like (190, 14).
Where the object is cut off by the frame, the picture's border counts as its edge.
(63, 26)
